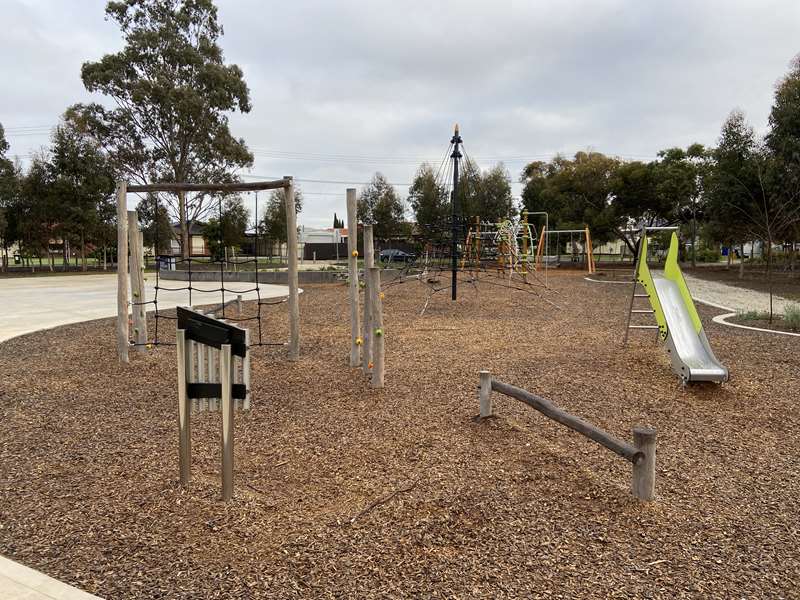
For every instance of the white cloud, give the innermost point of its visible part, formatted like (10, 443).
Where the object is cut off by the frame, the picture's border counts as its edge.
(381, 78)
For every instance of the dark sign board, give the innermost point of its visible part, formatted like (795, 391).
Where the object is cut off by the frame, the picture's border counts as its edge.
(211, 332)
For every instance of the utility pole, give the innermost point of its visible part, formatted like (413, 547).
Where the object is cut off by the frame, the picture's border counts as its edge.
(454, 214)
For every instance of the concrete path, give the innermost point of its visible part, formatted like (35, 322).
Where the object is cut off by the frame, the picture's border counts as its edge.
(28, 304)
(732, 297)
(18, 582)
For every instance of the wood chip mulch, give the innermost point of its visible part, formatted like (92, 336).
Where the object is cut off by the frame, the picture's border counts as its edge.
(344, 491)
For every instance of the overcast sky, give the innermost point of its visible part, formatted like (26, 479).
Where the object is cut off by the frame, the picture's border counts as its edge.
(348, 88)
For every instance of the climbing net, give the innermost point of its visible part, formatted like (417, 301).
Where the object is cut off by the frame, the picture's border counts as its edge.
(195, 293)
(490, 254)
(498, 254)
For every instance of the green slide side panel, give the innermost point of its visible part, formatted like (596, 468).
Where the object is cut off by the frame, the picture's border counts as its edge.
(673, 272)
(646, 279)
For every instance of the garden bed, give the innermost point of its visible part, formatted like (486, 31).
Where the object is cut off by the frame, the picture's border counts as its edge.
(343, 491)
(778, 323)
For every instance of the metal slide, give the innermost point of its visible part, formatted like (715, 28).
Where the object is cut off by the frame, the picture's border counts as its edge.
(690, 353)
(679, 324)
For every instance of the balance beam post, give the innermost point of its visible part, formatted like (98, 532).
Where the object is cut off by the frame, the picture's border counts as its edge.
(485, 394)
(644, 472)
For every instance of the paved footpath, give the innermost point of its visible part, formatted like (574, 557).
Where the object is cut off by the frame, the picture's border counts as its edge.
(29, 304)
(18, 582)
(732, 297)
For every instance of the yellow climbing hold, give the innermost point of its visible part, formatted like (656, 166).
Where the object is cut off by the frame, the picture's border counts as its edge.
(381, 295)
(379, 332)
(359, 341)
(355, 253)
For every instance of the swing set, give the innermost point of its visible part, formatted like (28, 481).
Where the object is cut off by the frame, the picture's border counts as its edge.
(588, 253)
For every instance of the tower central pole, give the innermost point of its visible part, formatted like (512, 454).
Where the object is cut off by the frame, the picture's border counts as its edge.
(454, 214)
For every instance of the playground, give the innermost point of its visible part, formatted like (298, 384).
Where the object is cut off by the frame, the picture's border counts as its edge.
(345, 490)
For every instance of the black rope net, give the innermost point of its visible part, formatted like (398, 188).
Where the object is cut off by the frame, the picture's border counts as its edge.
(195, 293)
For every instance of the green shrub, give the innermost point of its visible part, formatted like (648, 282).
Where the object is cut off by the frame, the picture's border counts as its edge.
(753, 315)
(791, 317)
(708, 255)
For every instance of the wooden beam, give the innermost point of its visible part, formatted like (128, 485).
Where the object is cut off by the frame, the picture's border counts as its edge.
(547, 408)
(211, 187)
(122, 272)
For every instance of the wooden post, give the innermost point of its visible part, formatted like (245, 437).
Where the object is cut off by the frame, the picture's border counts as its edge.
(367, 354)
(539, 248)
(525, 245)
(184, 414)
(122, 271)
(226, 374)
(291, 254)
(485, 394)
(377, 331)
(239, 305)
(246, 370)
(135, 243)
(644, 472)
(352, 267)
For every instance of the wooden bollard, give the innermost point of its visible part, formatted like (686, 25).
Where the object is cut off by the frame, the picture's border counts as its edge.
(367, 349)
(485, 394)
(377, 333)
(239, 306)
(352, 268)
(644, 473)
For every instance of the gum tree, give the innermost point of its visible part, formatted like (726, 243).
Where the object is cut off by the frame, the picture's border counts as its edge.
(171, 92)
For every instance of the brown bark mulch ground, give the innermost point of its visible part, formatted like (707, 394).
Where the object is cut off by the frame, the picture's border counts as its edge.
(343, 491)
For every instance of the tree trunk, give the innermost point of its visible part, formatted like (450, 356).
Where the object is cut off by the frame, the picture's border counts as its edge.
(52, 260)
(83, 251)
(185, 249)
(741, 261)
(65, 265)
(769, 275)
(105, 261)
(694, 235)
(730, 256)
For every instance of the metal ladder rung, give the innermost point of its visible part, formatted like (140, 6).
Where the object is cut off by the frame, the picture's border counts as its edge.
(643, 311)
(641, 295)
(642, 326)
